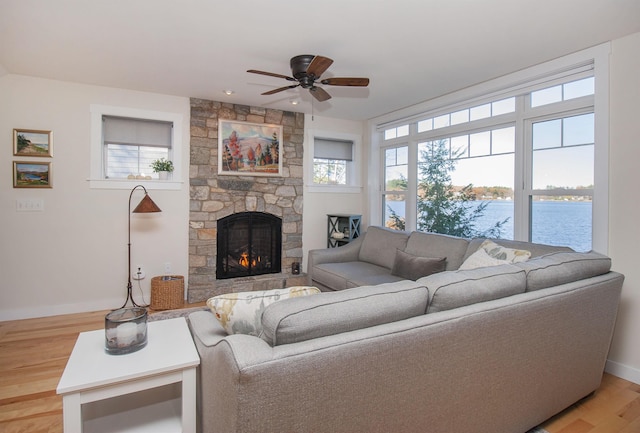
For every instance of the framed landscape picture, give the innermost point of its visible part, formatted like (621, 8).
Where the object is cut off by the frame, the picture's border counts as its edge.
(249, 149)
(31, 174)
(30, 142)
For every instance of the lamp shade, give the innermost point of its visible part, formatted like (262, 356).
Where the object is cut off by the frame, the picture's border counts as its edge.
(146, 205)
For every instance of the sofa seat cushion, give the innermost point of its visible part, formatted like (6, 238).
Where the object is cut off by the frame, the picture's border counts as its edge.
(372, 280)
(241, 313)
(412, 267)
(380, 244)
(563, 267)
(437, 245)
(449, 290)
(491, 254)
(330, 313)
(340, 276)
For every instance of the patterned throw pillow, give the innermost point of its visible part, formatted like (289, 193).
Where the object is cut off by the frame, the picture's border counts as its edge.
(492, 254)
(241, 313)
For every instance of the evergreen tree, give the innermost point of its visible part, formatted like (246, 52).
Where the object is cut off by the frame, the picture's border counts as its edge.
(22, 142)
(442, 209)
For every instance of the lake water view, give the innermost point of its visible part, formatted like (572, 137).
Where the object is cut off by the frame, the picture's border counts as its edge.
(566, 223)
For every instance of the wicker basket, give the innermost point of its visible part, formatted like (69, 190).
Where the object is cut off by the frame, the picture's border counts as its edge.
(167, 292)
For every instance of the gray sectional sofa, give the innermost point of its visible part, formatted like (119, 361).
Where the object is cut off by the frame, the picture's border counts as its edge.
(370, 258)
(493, 349)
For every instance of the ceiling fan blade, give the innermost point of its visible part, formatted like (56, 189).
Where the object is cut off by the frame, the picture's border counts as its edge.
(271, 74)
(318, 65)
(319, 93)
(280, 89)
(362, 82)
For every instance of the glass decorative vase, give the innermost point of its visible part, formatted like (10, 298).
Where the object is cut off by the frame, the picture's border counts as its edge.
(125, 330)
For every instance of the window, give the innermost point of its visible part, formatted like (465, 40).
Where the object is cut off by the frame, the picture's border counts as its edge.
(331, 161)
(131, 145)
(563, 92)
(533, 151)
(124, 142)
(484, 159)
(491, 109)
(562, 178)
(396, 165)
(399, 131)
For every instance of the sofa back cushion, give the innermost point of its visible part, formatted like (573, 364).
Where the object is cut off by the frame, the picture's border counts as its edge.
(535, 249)
(329, 313)
(437, 245)
(448, 290)
(563, 267)
(380, 244)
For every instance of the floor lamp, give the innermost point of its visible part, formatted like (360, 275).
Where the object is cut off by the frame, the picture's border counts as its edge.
(146, 205)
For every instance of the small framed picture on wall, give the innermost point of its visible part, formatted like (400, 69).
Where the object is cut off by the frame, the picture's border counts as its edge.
(31, 142)
(31, 174)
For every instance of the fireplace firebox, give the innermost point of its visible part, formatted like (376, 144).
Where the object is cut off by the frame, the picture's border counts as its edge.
(249, 243)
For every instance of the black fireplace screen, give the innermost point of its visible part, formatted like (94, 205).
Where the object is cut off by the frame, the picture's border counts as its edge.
(249, 243)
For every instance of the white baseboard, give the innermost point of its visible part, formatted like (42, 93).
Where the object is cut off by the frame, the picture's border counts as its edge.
(56, 310)
(623, 371)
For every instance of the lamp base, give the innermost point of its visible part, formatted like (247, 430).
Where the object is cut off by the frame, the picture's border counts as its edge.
(130, 296)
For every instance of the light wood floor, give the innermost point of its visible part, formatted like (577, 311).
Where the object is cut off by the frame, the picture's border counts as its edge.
(34, 352)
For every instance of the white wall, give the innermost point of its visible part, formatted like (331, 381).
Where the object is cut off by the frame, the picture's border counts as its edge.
(72, 256)
(624, 209)
(317, 203)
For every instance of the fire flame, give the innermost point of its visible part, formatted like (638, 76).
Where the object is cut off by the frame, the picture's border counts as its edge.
(244, 260)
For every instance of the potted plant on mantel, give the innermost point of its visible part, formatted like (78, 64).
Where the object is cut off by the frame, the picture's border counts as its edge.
(163, 167)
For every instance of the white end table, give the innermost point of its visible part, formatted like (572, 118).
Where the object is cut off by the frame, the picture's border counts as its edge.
(151, 390)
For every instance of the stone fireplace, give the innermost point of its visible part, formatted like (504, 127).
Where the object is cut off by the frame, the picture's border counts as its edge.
(215, 197)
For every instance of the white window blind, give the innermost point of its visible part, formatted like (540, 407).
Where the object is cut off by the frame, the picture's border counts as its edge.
(137, 132)
(329, 148)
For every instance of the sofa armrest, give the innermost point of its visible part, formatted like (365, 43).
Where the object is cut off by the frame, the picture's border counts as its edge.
(206, 328)
(345, 253)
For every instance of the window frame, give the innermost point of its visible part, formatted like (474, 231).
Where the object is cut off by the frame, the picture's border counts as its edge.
(353, 178)
(593, 61)
(562, 110)
(97, 171)
(410, 194)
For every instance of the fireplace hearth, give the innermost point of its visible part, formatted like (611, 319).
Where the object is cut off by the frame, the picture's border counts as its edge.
(248, 243)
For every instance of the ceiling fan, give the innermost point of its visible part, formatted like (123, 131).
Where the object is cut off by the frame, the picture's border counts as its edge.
(306, 70)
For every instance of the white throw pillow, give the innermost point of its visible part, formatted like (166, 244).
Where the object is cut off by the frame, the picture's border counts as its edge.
(492, 254)
(241, 313)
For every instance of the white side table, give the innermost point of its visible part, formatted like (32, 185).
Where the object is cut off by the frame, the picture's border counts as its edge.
(151, 390)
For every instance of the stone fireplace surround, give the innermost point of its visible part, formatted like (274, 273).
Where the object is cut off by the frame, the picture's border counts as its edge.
(214, 196)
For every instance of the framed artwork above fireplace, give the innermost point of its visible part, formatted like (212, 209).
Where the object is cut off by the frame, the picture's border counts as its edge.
(249, 149)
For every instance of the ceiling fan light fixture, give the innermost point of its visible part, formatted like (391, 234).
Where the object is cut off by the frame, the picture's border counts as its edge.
(306, 70)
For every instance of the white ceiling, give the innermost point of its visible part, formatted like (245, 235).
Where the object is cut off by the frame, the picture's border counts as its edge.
(412, 50)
